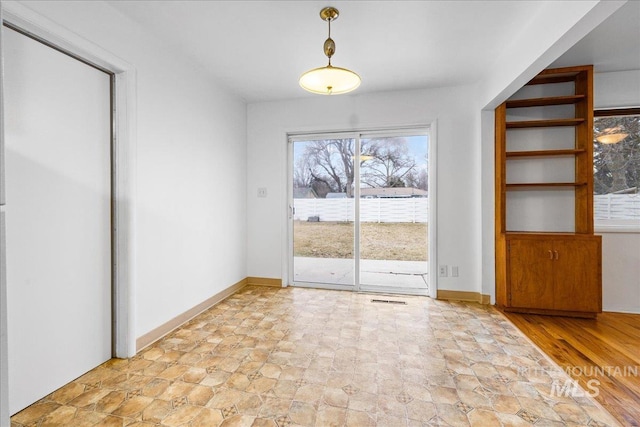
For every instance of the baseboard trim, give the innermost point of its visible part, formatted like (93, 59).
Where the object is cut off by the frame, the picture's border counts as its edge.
(264, 281)
(162, 330)
(463, 296)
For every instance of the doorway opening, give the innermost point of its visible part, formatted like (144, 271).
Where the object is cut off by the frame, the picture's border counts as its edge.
(359, 211)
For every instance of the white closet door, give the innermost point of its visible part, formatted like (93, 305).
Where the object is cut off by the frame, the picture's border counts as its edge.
(58, 218)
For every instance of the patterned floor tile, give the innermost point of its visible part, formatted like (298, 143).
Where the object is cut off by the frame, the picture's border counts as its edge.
(285, 357)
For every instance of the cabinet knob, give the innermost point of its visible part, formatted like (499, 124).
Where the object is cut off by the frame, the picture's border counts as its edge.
(550, 254)
(556, 252)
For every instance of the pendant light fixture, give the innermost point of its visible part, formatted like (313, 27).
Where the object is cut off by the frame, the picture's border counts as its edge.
(329, 80)
(611, 135)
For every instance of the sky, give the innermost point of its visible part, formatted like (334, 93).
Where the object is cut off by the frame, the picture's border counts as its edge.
(419, 148)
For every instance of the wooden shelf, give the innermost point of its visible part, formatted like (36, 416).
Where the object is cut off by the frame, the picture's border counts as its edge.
(561, 75)
(542, 185)
(540, 102)
(544, 153)
(542, 79)
(535, 234)
(543, 123)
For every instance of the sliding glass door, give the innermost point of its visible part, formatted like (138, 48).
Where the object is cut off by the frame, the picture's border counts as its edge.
(359, 212)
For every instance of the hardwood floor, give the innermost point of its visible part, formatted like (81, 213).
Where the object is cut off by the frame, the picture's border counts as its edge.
(606, 349)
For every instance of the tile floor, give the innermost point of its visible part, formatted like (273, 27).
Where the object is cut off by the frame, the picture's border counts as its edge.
(288, 357)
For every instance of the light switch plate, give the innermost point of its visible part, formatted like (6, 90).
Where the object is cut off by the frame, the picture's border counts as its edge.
(443, 271)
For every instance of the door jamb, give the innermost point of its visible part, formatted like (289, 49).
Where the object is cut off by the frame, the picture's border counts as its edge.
(432, 266)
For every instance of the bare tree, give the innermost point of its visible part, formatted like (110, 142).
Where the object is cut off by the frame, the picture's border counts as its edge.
(328, 165)
(390, 164)
(302, 177)
(418, 178)
(331, 162)
(617, 166)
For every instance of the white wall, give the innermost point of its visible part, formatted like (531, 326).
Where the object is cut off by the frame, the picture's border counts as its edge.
(617, 89)
(552, 31)
(620, 271)
(191, 137)
(488, 204)
(458, 164)
(620, 251)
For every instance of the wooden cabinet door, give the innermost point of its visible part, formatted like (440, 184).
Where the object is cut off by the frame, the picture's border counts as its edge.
(577, 275)
(530, 270)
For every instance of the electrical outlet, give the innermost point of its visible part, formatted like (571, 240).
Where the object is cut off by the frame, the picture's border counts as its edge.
(262, 192)
(444, 271)
(454, 271)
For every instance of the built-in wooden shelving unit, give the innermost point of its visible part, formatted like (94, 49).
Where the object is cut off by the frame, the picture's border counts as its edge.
(539, 270)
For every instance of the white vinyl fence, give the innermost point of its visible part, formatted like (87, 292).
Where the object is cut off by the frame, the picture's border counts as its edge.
(606, 206)
(617, 206)
(371, 210)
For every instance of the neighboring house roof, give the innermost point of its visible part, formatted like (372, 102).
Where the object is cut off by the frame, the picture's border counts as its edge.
(304, 193)
(336, 195)
(393, 192)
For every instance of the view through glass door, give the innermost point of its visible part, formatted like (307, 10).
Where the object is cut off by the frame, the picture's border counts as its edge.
(323, 212)
(359, 212)
(393, 213)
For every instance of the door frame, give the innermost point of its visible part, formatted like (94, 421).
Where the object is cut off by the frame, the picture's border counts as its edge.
(431, 130)
(123, 125)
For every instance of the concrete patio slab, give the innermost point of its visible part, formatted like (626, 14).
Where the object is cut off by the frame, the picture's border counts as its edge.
(387, 273)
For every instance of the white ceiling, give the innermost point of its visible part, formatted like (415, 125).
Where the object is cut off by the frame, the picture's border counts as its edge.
(260, 48)
(614, 45)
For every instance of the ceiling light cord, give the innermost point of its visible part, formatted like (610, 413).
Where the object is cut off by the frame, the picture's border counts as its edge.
(329, 45)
